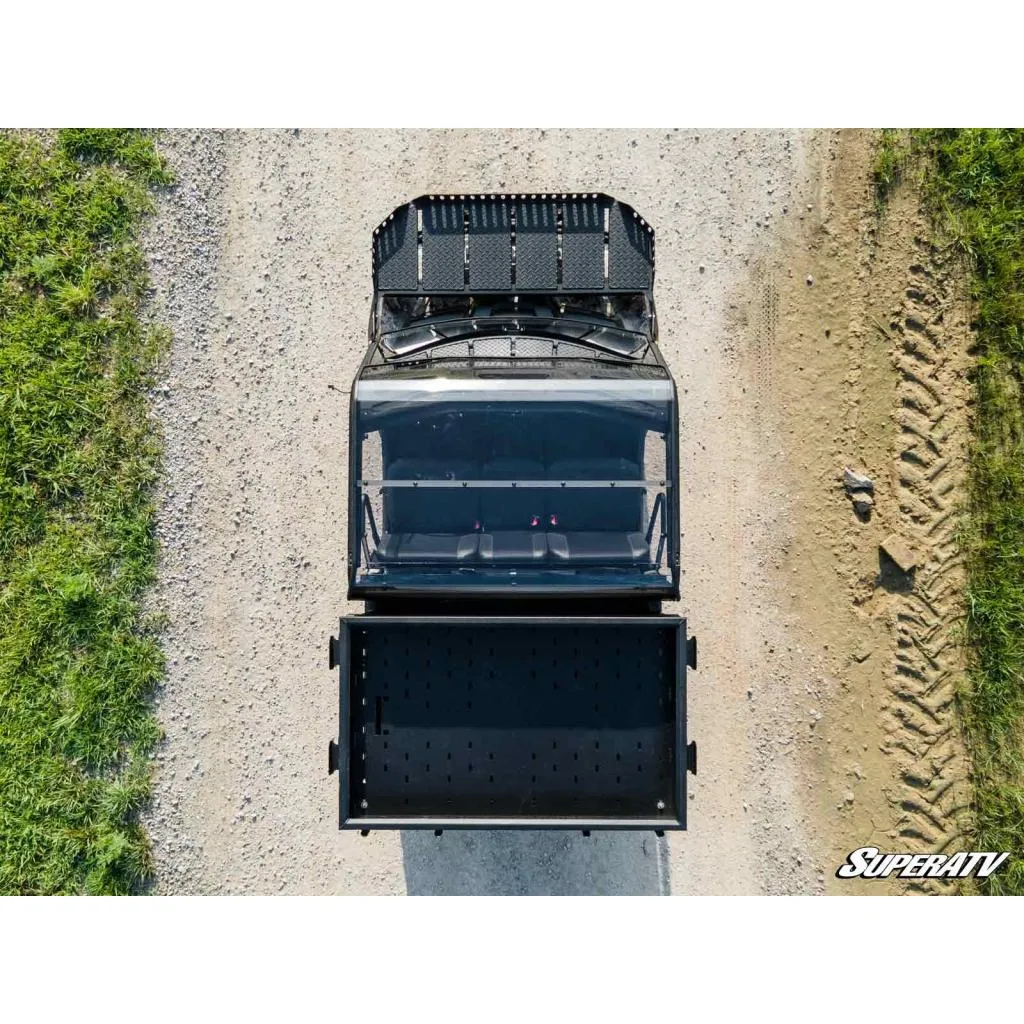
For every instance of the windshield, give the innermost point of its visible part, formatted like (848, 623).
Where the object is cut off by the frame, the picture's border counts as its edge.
(619, 324)
(523, 482)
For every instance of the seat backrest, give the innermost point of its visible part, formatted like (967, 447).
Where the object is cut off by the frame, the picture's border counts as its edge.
(508, 508)
(431, 509)
(603, 508)
(575, 434)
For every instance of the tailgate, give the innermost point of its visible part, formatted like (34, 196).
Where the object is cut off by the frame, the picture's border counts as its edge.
(512, 722)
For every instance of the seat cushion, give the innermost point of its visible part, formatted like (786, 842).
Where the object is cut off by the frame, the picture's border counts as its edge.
(427, 547)
(513, 546)
(603, 547)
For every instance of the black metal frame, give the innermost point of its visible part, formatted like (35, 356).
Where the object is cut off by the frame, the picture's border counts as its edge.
(341, 757)
(583, 242)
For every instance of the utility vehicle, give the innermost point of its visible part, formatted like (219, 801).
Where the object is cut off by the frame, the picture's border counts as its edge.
(513, 528)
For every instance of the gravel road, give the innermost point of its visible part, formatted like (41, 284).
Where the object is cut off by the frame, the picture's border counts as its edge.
(260, 258)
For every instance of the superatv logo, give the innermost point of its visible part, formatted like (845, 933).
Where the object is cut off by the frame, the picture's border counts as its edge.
(867, 862)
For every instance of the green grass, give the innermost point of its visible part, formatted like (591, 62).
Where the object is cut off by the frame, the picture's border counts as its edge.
(890, 161)
(973, 182)
(78, 457)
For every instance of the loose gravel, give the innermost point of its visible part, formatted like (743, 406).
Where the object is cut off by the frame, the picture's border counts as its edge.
(260, 258)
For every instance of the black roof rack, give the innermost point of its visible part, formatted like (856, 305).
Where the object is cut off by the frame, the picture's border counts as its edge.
(547, 242)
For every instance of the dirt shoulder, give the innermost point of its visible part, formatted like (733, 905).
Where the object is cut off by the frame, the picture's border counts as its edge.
(866, 368)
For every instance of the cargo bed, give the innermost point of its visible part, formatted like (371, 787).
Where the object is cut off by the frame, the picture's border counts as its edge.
(512, 722)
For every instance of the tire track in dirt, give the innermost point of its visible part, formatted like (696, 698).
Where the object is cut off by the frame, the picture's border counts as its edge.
(867, 372)
(921, 721)
(765, 324)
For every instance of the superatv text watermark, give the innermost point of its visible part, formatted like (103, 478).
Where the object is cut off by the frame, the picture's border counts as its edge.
(867, 862)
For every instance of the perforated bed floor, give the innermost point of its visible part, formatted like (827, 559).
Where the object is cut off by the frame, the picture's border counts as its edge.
(506, 718)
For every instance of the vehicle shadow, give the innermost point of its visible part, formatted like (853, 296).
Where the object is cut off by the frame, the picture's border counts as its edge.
(538, 863)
